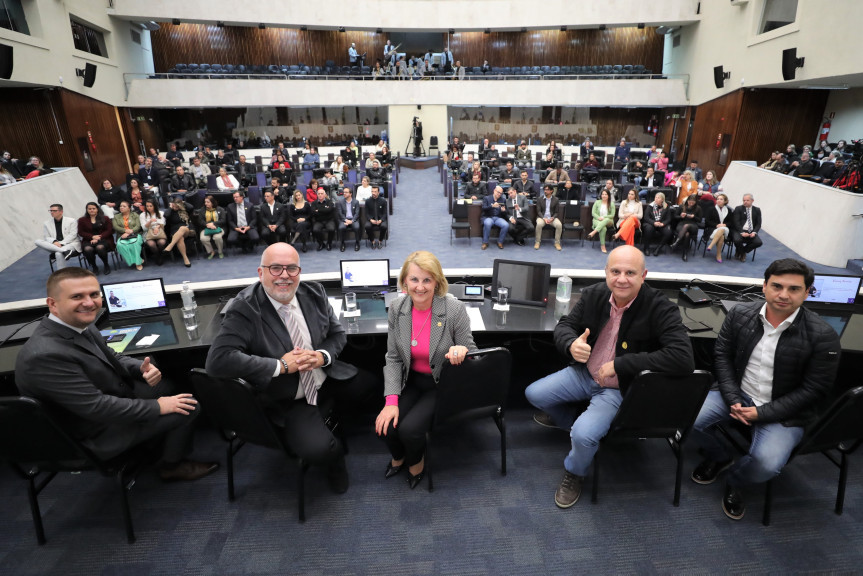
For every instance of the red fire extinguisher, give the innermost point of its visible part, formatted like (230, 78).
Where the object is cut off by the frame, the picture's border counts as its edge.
(825, 130)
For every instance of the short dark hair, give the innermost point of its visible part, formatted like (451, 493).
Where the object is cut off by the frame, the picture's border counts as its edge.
(548, 187)
(376, 187)
(57, 206)
(68, 273)
(790, 266)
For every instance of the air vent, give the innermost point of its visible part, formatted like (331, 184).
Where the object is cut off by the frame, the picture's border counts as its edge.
(136, 36)
(675, 41)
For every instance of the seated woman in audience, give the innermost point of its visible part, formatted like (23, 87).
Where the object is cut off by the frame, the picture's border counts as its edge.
(301, 218)
(6, 176)
(385, 158)
(226, 181)
(153, 225)
(127, 225)
(364, 190)
(211, 220)
(338, 168)
(717, 224)
(136, 196)
(312, 190)
(822, 150)
(690, 216)
(603, 217)
(629, 218)
(178, 226)
(686, 186)
(109, 197)
(425, 315)
(671, 179)
(97, 236)
(660, 162)
(710, 185)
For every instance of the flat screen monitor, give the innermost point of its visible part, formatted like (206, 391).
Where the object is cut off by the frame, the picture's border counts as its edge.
(834, 290)
(135, 299)
(365, 276)
(527, 281)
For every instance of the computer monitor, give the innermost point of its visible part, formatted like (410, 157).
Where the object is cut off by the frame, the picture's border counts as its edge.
(135, 299)
(527, 281)
(834, 290)
(365, 276)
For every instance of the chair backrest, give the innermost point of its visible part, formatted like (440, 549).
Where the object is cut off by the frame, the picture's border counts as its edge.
(477, 387)
(459, 210)
(842, 422)
(658, 405)
(31, 434)
(233, 405)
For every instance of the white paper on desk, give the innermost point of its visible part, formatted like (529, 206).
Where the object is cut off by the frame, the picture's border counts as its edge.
(336, 303)
(476, 322)
(147, 340)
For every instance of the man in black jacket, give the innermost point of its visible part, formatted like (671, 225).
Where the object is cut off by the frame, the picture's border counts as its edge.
(774, 363)
(746, 223)
(376, 218)
(323, 220)
(617, 329)
(183, 184)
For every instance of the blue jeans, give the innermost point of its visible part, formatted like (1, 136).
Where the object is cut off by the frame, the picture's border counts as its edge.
(770, 449)
(555, 395)
(487, 223)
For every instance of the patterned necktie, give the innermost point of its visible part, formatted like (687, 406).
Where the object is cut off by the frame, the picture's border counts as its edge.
(241, 215)
(307, 380)
(748, 227)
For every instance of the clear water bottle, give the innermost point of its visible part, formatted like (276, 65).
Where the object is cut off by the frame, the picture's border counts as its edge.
(188, 295)
(564, 288)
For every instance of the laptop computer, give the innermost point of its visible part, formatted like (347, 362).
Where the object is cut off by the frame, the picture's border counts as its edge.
(834, 297)
(365, 276)
(135, 299)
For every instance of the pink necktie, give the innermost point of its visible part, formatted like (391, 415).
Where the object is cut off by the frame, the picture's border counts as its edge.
(307, 379)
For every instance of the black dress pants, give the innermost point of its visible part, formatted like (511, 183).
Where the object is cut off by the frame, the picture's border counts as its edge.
(416, 410)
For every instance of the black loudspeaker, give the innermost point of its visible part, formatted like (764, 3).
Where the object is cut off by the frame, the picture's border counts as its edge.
(88, 73)
(790, 63)
(5, 62)
(718, 76)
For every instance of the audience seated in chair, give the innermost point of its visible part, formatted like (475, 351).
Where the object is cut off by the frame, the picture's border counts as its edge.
(348, 209)
(656, 222)
(546, 214)
(376, 218)
(97, 237)
(153, 226)
(212, 220)
(242, 224)
(60, 236)
(746, 220)
(274, 215)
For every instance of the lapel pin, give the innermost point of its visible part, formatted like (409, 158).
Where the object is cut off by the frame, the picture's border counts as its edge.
(624, 346)
(439, 324)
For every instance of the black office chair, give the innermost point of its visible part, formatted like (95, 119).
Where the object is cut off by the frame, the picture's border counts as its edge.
(459, 221)
(837, 433)
(34, 442)
(433, 144)
(571, 223)
(236, 410)
(475, 389)
(658, 405)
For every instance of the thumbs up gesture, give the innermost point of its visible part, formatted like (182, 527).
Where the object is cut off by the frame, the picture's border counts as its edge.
(152, 375)
(580, 349)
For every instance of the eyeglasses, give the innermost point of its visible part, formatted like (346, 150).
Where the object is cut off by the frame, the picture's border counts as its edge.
(277, 269)
(53, 210)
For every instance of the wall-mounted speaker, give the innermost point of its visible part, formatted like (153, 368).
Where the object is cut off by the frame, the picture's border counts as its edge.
(720, 76)
(790, 63)
(88, 73)
(5, 62)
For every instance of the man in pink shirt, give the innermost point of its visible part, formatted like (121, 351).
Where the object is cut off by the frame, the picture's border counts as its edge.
(617, 329)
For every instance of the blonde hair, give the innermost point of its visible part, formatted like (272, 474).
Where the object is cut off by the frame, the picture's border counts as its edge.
(664, 205)
(428, 262)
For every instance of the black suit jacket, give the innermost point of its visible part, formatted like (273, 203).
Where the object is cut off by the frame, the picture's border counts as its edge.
(739, 218)
(525, 187)
(251, 216)
(650, 215)
(376, 209)
(187, 183)
(253, 337)
(276, 216)
(540, 206)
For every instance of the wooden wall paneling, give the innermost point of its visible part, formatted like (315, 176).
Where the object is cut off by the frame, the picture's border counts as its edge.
(720, 116)
(28, 126)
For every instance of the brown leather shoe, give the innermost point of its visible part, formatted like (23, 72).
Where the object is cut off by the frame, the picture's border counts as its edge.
(188, 471)
(484, 246)
(500, 245)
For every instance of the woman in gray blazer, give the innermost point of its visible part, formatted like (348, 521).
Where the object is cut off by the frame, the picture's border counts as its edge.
(426, 328)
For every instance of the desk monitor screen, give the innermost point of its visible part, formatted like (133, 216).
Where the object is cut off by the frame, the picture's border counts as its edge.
(135, 299)
(365, 276)
(527, 281)
(834, 289)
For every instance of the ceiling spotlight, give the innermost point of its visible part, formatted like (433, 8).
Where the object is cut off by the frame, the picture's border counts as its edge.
(487, 31)
(262, 26)
(175, 21)
(379, 31)
(602, 26)
(341, 28)
(563, 28)
(452, 30)
(304, 28)
(220, 24)
(641, 26)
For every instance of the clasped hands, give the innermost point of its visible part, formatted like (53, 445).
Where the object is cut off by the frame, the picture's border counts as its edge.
(301, 360)
(744, 414)
(580, 352)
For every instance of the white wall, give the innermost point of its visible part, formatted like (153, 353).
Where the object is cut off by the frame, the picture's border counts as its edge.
(415, 15)
(433, 118)
(26, 209)
(848, 123)
(726, 36)
(794, 212)
(241, 93)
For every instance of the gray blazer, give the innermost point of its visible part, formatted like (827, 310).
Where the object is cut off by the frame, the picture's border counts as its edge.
(96, 386)
(253, 337)
(450, 326)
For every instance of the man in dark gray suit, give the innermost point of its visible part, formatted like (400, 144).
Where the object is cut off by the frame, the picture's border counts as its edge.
(108, 402)
(283, 337)
(349, 217)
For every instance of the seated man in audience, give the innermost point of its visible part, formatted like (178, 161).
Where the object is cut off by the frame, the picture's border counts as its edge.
(649, 180)
(183, 184)
(556, 151)
(612, 191)
(173, 156)
(558, 175)
(520, 226)
(349, 155)
(617, 329)
(492, 157)
(746, 223)
(107, 401)
(621, 154)
(494, 214)
(208, 155)
(656, 221)
(696, 171)
(839, 169)
(376, 173)
(523, 156)
(466, 167)
(524, 186)
(824, 172)
(139, 164)
(376, 218)
(586, 148)
(774, 363)
(282, 336)
(153, 154)
(508, 174)
(274, 215)
(370, 160)
(60, 237)
(805, 167)
(456, 147)
(282, 192)
(285, 176)
(311, 159)
(199, 172)
(323, 220)
(483, 149)
(330, 182)
(546, 213)
(230, 153)
(349, 217)
(242, 224)
(148, 176)
(476, 189)
(245, 172)
(546, 165)
(634, 167)
(222, 160)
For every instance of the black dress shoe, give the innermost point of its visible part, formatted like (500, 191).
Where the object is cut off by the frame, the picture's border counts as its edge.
(356, 246)
(304, 247)
(320, 247)
(675, 244)
(329, 246)
(392, 470)
(656, 251)
(107, 270)
(337, 476)
(732, 503)
(187, 471)
(686, 255)
(414, 480)
(342, 247)
(708, 471)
